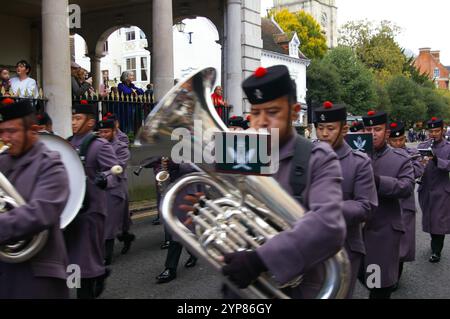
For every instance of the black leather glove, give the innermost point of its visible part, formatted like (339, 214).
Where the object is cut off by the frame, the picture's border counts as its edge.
(101, 181)
(243, 267)
(377, 181)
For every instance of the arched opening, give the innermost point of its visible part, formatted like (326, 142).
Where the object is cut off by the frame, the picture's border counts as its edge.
(189, 47)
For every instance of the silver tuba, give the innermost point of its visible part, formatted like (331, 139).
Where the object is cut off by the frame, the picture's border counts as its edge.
(26, 249)
(247, 210)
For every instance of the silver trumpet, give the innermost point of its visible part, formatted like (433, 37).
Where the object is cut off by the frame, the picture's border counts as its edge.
(246, 212)
(21, 250)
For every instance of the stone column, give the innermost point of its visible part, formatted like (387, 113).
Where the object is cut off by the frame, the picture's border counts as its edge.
(233, 91)
(162, 54)
(56, 64)
(96, 71)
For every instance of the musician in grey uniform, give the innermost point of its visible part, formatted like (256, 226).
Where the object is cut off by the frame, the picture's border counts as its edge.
(85, 235)
(394, 178)
(357, 127)
(41, 179)
(358, 187)
(397, 139)
(434, 191)
(321, 233)
(126, 237)
(116, 198)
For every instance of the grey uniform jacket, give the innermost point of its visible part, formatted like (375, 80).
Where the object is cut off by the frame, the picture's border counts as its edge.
(320, 234)
(434, 192)
(385, 227)
(41, 179)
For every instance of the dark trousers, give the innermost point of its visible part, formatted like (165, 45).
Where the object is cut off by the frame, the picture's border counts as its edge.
(381, 293)
(174, 254)
(437, 243)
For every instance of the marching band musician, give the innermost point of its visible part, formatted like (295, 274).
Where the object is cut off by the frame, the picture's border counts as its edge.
(358, 187)
(397, 139)
(394, 179)
(45, 123)
(317, 186)
(434, 192)
(116, 198)
(85, 235)
(121, 136)
(41, 179)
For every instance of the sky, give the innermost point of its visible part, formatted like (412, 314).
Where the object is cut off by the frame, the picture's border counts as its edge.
(423, 23)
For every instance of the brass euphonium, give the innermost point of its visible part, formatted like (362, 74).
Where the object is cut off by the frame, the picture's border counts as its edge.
(21, 250)
(248, 211)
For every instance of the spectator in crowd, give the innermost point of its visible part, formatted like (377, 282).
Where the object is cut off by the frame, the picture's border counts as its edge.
(149, 92)
(218, 100)
(79, 83)
(5, 83)
(127, 87)
(22, 85)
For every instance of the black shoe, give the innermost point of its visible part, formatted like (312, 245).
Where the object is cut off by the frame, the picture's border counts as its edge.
(166, 276)
(100, 283)
(127, 239)
(435, 258)
(165, 245)
(191, 262)
(156, 221)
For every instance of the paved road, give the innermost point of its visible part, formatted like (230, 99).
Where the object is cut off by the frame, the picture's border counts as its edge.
(133, 274)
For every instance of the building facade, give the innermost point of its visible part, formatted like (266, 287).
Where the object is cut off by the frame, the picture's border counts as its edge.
(429, 62)
(282, 48)
(323, 11)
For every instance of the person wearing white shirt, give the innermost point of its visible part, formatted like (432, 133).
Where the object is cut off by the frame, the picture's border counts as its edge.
(23, 85)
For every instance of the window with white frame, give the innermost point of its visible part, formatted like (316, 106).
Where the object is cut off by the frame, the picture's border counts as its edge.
(437, 73)
(144, 69)
(130, 35)
(131, 65)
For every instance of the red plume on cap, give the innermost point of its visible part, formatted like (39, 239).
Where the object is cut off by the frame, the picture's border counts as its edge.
(248, 118)
(8, 101)
(371, 113)
(234, 117)
(109, 114)
(105, 118)
(84, 102)
(327, 104)
(260, 72)
(434, 119)
(394, 125)
(355, 123)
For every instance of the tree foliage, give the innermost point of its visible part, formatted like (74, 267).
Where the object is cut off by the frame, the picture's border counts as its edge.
(375, 46)
(357, 82)
(323, 83)
(312, 41)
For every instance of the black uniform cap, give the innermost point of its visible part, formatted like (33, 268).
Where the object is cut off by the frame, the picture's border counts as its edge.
(397, 129)
(238, 121)
(329, 113)
(83, 108)
(435, 123)
(375, 118)
(106, 124)
(10, 110)
(356, 127)
(268, 84)
(44, 119)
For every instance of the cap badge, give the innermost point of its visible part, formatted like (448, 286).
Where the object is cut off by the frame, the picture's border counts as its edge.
(1, 118)
(371, 122)
(322, 117)
(258, 94)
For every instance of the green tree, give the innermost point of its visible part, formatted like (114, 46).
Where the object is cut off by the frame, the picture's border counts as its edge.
(358, 83)
(375, 46)
(312, 41)
(437, 104)
(407, 104)
(323, 83)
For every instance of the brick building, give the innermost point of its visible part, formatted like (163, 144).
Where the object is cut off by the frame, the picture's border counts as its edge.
(429, 62)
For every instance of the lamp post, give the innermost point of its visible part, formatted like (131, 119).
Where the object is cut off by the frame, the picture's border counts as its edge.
(181, 26)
